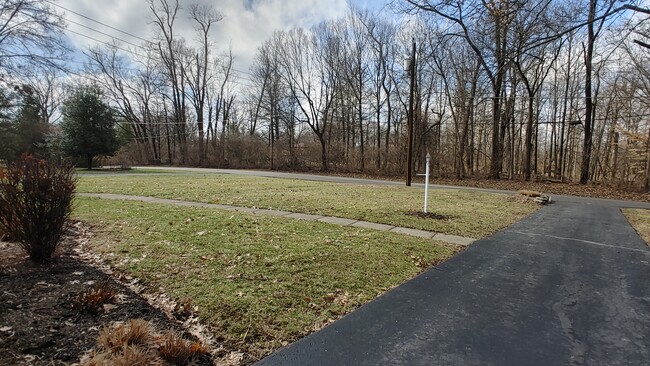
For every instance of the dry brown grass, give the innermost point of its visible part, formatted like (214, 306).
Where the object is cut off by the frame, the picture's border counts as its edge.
(137, 342)
(95, 297)
(127, 356)
(640, 221)
(528, 193)
(136, 332)
(178, 351)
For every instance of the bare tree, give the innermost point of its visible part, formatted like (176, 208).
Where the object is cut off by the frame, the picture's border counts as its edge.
(30, 34)
(274, 102)
(356, 70)
(381, 33)
(46, 91)
(533, 66)
(311, 72)
(594, 28)
(638, 96)
(460, 71)
(224, 101)
(134, 92)
(490, 45)
(199, 73)
(170, 48)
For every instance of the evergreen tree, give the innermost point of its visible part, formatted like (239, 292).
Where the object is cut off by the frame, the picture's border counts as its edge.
(88, 125)
(30, 125)
(22, 130)
(8, 133)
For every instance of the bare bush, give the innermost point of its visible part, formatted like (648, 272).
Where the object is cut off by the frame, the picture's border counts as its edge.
(35, 203)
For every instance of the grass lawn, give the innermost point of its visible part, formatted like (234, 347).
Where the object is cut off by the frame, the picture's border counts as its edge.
(103, 171)
(466, 213)
(259, 282)
(640, 221)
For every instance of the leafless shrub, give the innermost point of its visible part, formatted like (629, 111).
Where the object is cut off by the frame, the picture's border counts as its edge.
(35, 203)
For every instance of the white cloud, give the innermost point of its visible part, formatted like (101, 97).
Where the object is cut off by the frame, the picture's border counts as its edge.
(245, 24)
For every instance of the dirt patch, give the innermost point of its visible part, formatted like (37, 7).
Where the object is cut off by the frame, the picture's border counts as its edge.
(40, 322)
(429, 215)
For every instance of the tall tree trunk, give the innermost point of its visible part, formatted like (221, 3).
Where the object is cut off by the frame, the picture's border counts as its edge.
(496, 165)
(646, 178)
(378, 163)
(323, 147)
(528, 145)
(587, 142)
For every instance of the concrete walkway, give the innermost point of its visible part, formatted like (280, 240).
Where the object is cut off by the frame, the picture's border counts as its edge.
(568, 285)
(451, 239)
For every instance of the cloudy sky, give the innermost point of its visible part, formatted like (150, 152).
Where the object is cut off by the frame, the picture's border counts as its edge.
(245, 24)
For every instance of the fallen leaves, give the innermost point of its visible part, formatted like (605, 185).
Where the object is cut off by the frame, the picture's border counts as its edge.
(549, 187)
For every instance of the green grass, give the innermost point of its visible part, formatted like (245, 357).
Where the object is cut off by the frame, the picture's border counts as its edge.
(640, 221)
(258, 282)
(468, 213)
(103, 171)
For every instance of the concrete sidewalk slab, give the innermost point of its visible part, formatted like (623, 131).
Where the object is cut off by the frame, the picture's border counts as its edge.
(413, 232)
(372, 225)
(267, 212)
(454, 239)
(337, 221)
(306, 217)
(243, 209)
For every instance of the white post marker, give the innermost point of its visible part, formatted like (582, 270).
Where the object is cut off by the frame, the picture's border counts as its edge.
(426, 183)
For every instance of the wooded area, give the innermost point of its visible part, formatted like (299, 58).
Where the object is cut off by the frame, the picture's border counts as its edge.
(503, 89)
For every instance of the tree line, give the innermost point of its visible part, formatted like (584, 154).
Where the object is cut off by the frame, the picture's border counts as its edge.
(503, 89)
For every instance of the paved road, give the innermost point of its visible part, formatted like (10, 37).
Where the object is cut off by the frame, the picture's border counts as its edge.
(335, 179)
(569, 285)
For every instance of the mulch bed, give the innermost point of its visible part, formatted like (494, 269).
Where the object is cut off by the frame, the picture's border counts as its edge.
(39, 322)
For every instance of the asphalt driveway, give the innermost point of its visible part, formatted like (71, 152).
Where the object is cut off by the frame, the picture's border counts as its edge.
(568, 285)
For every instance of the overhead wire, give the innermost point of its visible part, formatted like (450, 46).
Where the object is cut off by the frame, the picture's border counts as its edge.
(104, 42)
(104, 33)
(246, 78)
(97, 21)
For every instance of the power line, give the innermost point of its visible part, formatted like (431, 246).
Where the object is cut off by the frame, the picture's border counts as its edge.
(120, 39)
(97, 21)
(118, 30)
(103, 42)
(103, 33)
(125, 41)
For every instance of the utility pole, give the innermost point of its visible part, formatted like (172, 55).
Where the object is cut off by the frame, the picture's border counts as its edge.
(426, 183)
(409, 146)
(272, 137)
